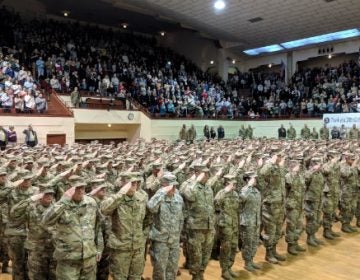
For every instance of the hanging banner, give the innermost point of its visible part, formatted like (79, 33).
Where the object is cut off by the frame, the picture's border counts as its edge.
(347, 119)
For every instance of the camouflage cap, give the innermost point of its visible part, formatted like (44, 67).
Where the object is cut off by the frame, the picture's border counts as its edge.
(169, 179)
(3, 172)
(79, 184)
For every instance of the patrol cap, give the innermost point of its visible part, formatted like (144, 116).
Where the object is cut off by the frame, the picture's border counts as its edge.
(96, 189)
(28, 160)
(79, 184)
(249, 174)
(156, 165)
(48, 190)
(169, 179)
(231, 178)
(3, 172)
(135, 179)
(96, 181)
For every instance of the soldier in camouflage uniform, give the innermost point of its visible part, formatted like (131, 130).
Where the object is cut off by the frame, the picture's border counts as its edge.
(354, 133)
(249, 132)
(16, 231)
(5, 189)
(331, 172)
(200, 223)
(39, 243)
(315, 181)
(78, 240)
(348, 193)
(99, 193)
(242, 134)
(167, 207)
(127, 210)
(250, 220)
(291, 133)
(314, 134)
(182, 133)
(295, 190)
(324, 133)
(227, 210)
(305, 133)
(191, 134)
(272, 185)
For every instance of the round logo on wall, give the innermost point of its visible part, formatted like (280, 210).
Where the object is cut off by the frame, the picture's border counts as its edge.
(131, 116)
(326, 120)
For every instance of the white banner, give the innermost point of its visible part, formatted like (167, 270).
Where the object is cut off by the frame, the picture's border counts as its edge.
(347, 119)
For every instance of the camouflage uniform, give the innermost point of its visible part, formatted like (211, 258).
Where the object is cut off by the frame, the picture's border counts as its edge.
(305, 133)
(324, 133)
(273, 213)
(353, 133)
(314, 190)
(348, 195)
(295, 190)
(16, 234)
(39, 243)
(227, 209)
(77, 237)
(165, 233)
(291, 133)
(127, 238)
(331, 173)
(242, 133)
(250, 220)
(4, 211)
(200, 225)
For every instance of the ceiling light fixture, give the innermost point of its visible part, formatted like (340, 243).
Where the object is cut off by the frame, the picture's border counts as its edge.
(162, 33)
(270, 65)
(234, 61)
(211, 62)
(66, 13)
(109, 125)
(219, 5)
(124, 25)
(329, 56)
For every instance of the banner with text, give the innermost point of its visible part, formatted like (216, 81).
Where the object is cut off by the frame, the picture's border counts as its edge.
(338, 120)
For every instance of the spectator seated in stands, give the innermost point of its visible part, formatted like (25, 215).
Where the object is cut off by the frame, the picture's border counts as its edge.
(41, 104)
(6, 102)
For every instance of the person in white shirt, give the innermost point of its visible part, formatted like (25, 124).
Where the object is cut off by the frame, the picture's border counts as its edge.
(41, 104)
(29, 102)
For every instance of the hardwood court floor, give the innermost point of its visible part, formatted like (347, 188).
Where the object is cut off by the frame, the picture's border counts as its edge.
(336, 260)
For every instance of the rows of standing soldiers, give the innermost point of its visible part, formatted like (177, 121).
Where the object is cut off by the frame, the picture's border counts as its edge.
(90, 211)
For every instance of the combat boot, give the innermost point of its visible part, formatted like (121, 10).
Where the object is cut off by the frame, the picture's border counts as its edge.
(311, 241)
(254, 265)
(328, 235)
(226, 275)
(234, 274)
(353, 229)
(346, 228)
(299, 248)
(334, 234)
(318, 241)
(269, 257)
(278, 256)
(248, 266)
(292, 249)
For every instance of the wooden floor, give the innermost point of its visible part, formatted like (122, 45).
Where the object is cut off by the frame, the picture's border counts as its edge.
(336, 260)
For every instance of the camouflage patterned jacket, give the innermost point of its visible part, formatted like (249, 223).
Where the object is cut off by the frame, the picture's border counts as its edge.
(31, 213)
(250, 207)
(295, 190)
(127, 218)
(15, 227)
(315, 183)
(201, 213)
(168, 217)
(349, 180)
(77, 235)
(4, 196)
(272, 183)
(227, 205)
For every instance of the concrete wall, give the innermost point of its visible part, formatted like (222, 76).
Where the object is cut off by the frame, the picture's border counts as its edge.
(42, 125)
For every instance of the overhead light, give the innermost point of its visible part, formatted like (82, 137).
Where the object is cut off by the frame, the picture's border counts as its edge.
(329, 56)
(234, 61)
(270, 65)
(219, 5)
(211, 62)
(345, 34)
(162, 33)
(169, 62)
(124, 25)
(109, 125)
(66, 13)
(267, 49)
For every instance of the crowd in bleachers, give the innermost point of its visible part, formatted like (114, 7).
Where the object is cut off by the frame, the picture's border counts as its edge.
(63, 56)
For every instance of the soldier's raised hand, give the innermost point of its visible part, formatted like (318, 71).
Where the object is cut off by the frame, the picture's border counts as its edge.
(182, 166)
(127, 188)
(252, 181)
(200, 177)
(36, 197)
(229, 187)
(70, 193)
